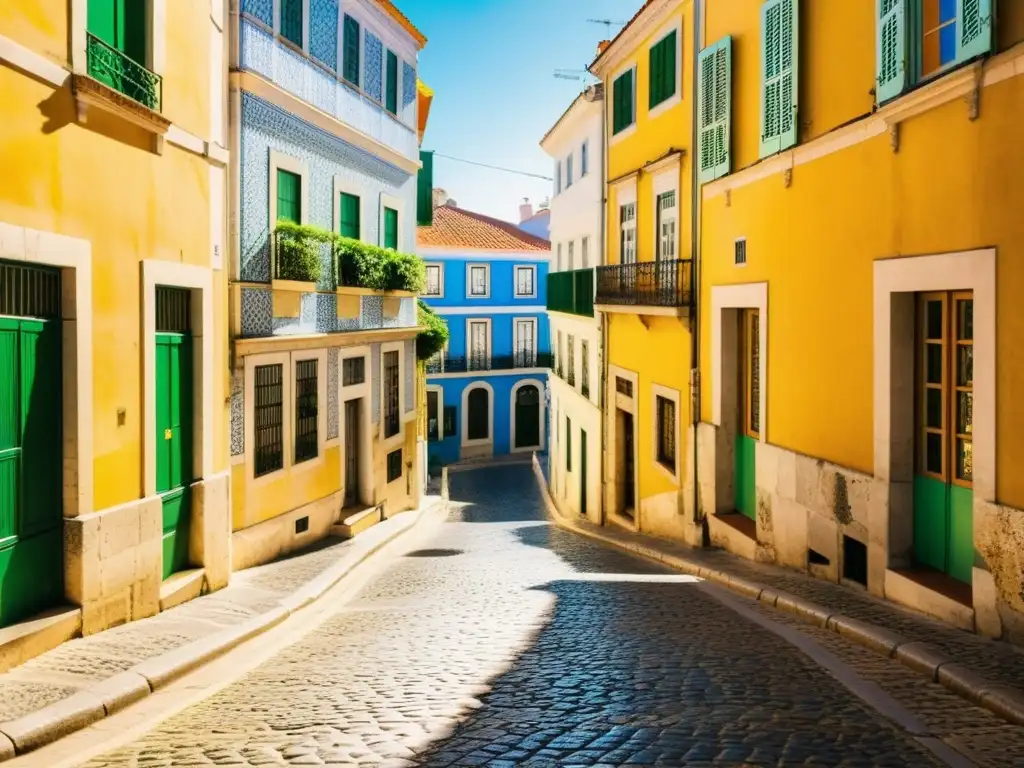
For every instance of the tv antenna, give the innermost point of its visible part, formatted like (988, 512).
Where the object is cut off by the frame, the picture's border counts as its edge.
(608, 24)
(571, 74)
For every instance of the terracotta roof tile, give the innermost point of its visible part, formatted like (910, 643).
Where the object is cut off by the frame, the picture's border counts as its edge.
(456, 228)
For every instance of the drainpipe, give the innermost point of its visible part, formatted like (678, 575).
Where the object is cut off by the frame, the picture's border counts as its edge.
(602, 394)
(695, 383)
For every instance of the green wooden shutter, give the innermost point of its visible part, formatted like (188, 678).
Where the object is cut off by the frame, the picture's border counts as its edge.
(425, 190)
(106, 21)
(779, 60)
(10, 430)
(391, 228)
(654, 76)
(715, 63)
(349, 224)
(891, 49)
(622, 96)
(663, 69)
(974, 33)
(291, 21)
(350, 46)
(289, 187)
(392, 84)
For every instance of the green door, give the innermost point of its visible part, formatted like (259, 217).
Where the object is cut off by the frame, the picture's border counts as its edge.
(943, 493)
(745, 488)
(173, 436)
(31, 516)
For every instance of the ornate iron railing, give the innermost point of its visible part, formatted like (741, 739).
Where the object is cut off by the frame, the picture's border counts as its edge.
(114, 68)
(452, 364)
(572, 292)
(646, 284)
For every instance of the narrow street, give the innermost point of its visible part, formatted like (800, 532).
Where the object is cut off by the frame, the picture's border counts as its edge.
(510, 642)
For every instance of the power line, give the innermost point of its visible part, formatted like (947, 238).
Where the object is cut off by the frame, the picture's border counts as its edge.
(494, 167)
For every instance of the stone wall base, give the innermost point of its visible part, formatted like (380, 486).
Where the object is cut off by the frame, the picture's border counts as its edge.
(272, 538)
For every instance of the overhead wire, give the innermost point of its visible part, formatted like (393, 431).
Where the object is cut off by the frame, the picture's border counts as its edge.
(494, 167)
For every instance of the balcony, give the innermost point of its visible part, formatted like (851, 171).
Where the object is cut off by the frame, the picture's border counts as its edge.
(115, 69)
(452, 364)
(572, 292)
(645, 288)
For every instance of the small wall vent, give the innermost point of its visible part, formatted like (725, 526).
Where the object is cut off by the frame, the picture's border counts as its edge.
(740, 251)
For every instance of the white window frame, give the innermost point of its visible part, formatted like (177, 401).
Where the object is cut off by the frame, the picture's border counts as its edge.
(625, 194)
(568, 171)
(439, 265)
(676, 25)
(657, 390)
(515, 281)
(343, 185)
(470, 266)
(584, 158)
(156, 36)
(665, 182)
(396, 204)
(397, 439)
(320, 355)
(283, 162)
(466, 442)
(515, 335)
(629, 130)
(486, 321)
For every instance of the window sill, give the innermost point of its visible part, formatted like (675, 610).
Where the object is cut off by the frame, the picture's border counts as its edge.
(624, 134)
(664, 106)
(89, 93)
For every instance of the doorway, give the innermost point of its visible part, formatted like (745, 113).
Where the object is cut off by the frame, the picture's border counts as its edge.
(583, 472)
(749, 388)
(527, 415)
(625, 464)
(352, 432)
(174, 466)
(944, 424)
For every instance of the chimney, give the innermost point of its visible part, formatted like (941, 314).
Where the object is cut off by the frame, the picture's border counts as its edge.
(602, 45)
(525, 210)
(440, 197)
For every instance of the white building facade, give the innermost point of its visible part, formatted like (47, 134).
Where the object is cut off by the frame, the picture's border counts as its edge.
(576, 147)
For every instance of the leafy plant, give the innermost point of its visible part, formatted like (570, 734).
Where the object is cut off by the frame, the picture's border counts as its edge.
(298, 252)
(434, 335)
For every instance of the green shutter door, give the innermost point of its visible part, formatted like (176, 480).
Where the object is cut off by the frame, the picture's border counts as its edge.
(425, 190)
(350, 43)
(391, 228)
(891, 49)
(715, 117)
(31, 535)
(106, 21)
(392, 84)
(289, 186)
(779, 59)
(174, 444)
(349, 225)
(974, 33)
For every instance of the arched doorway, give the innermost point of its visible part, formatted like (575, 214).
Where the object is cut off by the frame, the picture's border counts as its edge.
(478, 414)
(527, 416)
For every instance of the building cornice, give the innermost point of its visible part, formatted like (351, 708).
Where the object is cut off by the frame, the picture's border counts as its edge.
(298, 342)
(625, 43)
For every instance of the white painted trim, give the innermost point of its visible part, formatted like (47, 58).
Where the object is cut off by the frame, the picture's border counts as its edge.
(341, 184)
(966, 270)
(495, 310)
(320, 355)
(395, 204)
(78, 22)
(442, 253)
(515, 338)
(657, 390)
(486, 321)
(674, 25)
(489, 374)
(742, 296)
(198, 280)
(283, 162)
(74, 257)
(29, 61)
(470, 266)
(665, 181)
(387, 444)
(466, 442)
(157, 49)
(515, 281)
(440, 280)
(512, 416)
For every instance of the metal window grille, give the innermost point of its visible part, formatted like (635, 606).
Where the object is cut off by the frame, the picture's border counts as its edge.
(353, 371)
(433, 280)
(173, 309)
(478, 281)
(305, 410)
(479, 357)
(394, 465)
(29, 291)
(623, 386)
(525, 356)
(390, 394)
(524, 281)
(585, 368)
(268, 414)
(740, 251)
(667, 432)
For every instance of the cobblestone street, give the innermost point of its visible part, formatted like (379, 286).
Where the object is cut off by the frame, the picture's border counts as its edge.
(510, 642)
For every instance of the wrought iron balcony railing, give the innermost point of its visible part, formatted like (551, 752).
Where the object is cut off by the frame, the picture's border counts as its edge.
(453, 364)
(572, 292)
(116, 69)
(646, 284)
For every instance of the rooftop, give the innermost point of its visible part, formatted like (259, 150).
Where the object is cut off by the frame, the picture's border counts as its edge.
(457, 228)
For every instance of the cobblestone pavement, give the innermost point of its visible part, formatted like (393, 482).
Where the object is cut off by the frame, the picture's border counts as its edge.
(511, 642)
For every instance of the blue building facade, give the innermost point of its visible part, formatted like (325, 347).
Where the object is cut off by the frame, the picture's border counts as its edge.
(487, 391)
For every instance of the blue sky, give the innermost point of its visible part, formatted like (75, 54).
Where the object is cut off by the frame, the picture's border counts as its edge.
(491, 64)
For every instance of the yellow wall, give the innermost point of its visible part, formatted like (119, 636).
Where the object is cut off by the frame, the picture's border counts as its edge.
(952, 186)
(102, 182)
(257, 502)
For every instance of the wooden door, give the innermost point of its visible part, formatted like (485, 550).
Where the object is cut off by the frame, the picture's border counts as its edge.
(527, 417)
(351, 453)
(749, 431)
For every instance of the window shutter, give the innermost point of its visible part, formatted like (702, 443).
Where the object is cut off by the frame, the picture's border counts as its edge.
(622, 112)
(350, 41)
(891, 49)
(425, 190)
(392, 84)
(779, 59)
(974, 35)
(291, 21)
(715, 63)
(654, 76)
(349, 216)
(391, 228)
(663, 70)
(288, 189)
(103, 21)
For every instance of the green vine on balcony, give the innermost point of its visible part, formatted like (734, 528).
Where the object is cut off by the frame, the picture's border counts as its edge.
(434, 335)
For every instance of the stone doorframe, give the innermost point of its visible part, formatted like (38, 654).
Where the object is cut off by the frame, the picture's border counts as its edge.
(896, 281)
(616, 402)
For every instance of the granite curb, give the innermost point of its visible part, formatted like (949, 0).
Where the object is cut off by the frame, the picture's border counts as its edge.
(1000, 699)
(104, 698)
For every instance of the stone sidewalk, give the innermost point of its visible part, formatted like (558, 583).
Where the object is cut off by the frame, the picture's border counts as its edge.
(987, 672)
(89, 678)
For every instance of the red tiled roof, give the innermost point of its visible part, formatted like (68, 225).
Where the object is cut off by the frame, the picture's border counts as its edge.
(456, 228)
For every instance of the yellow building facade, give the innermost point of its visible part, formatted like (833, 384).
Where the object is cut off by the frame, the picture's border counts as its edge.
(113, 321)
(858, 353)
(644, 286)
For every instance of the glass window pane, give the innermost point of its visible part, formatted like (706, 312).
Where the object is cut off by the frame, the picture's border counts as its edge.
(933, 408)
(965, 365)
(933, 366)
(933, 453)
(933, 322)
(964, 412)
(964, 460)
(965, 319)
